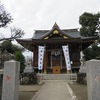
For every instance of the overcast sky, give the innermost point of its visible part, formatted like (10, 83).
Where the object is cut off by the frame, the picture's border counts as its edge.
(30, 15)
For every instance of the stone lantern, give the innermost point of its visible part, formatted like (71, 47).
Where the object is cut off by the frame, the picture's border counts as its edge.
(5, 56)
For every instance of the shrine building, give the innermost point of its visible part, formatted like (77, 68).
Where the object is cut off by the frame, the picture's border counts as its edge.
(53, 40)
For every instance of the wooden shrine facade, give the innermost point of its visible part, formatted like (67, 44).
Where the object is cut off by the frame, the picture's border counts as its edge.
(53, 40)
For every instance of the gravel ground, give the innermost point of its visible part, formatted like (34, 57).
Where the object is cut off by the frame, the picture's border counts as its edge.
(80, 91)
(26, 95)
(26, 92)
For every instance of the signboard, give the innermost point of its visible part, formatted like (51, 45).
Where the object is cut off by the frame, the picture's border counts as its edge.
(40, 57)
(67, 58)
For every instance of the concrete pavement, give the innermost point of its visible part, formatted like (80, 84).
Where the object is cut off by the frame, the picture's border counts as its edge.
(55, 90)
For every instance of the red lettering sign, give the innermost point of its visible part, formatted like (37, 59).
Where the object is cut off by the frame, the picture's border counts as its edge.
(97, 78)
(8, 78)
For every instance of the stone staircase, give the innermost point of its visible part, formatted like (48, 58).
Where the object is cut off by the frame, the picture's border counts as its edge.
(58, 76)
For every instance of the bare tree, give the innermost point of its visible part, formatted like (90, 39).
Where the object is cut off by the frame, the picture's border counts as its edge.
(5, 18)
(15, 33)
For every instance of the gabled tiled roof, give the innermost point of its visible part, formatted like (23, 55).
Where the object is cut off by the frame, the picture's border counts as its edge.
(40, 35)
(73, 33)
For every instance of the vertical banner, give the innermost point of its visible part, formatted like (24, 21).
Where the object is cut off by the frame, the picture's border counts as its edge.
(67, 58)
(40, 57)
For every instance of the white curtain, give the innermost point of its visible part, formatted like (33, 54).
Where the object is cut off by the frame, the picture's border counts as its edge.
(67, 58)
(40, 57)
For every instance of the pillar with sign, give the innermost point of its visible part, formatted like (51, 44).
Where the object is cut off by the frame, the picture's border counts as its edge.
(10, 90)
(93, 79)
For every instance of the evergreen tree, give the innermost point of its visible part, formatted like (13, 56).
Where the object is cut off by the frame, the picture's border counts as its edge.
(89, 23)
(16, 51)
(19, 57)
(92, 52)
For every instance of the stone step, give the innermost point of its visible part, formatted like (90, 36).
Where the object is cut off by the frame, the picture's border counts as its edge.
(58, 76)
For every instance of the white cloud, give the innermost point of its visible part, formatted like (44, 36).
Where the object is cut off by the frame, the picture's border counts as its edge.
(30, 15)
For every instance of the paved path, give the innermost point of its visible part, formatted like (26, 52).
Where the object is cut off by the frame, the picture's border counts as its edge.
(55, 90)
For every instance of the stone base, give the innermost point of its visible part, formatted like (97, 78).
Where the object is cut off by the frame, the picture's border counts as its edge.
(82, 69)
(68, 71)
(28, 70)
(45, 71)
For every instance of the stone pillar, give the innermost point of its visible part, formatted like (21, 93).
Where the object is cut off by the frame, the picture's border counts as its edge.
(1, 80)
(10, 90)
(93, 79)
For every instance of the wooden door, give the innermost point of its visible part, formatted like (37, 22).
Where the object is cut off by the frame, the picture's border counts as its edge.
(56, 69)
